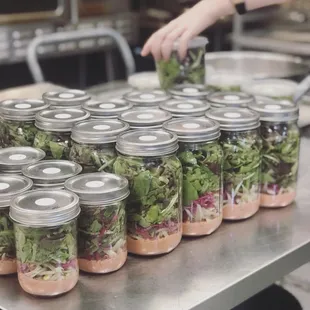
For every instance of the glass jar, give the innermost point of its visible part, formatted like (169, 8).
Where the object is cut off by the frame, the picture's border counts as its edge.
(10, 186)
(146, 99)
(13, 159)
(242, 161)
(197, 91)
(93, 144)
(64, 99)
(54, 131)
(147, 158)
(102, 224)
(185, 107)
(17, 121)
(48, 174)
(191, 70)
(201, 157)
(230, 100)
(107, 109)
(45, 228)
(150, 119)
(281, 143)
(279, 89)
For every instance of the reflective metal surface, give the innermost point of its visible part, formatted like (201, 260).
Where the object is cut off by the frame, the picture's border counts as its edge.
(214, 273)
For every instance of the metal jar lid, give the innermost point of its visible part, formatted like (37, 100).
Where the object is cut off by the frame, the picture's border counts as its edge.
(230, 99)
(152, 118)
(98, 131)
(274, 88)
(13, 159)
(12, 185)
(146, 98)
(275, 111)
(67, 98)
(99, 187)
(106, 109)
(233, 119)
(45, 208)
(47, 173)
(196, 42)
(194, 129)
(21, 109)
(60, 120)
(147, 143)
(192, 91)
(185, 107)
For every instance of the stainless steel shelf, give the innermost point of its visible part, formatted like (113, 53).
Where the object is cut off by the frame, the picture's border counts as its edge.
(216, 272)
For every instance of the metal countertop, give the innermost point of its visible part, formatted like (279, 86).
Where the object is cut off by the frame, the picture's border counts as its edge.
(214, 273)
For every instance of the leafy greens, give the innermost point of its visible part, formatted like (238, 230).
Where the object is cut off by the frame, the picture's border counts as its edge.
(189, 71)
(102, 231)
(48, 254)
(7, 241)
(154, 205)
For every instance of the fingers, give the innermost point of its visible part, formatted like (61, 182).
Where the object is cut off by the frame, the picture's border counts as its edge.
(169, 40)
(183, 44)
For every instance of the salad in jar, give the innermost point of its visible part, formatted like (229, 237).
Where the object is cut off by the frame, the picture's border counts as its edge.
(102, 245)
(280, 153)
(46, 241)
(242, 161)
(201, 156)
(10, 186)
(147, 158)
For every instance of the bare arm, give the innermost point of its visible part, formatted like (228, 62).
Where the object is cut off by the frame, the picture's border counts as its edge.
(190, 24)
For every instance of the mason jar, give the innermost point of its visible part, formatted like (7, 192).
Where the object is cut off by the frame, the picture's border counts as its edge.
(150, 119)
(10, 186)
(54, 131)
(146, 99)
(185, 107)
(190, 70)
(93, 144)
(147, 159)
(69, 98)
(188, 91)
(280, 153)
(279, 89)
(230, 100)
(106, 109)
(102, 245)
(45, 228)
(241, 144)
(17, 121)
(48, 174)
(201, 157)
(13, 159)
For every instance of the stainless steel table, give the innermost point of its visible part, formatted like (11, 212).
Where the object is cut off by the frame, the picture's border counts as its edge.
(214, 273)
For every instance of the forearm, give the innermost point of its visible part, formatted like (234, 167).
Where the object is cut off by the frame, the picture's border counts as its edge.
(256, 4)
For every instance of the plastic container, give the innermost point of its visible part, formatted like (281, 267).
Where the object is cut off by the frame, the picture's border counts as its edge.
(150, 119)
(281, 143)
(147, 159)
(13, 159)
(45, 227)
(279, 89)
(54, 131)
(70, 98)
(48, 174)
(242, 161)
(106, 109)
(191, 70)
(190, 92)
(185, 107)
(17, 121)
(146, 99)
(10, 186)
(102, 225)
(93, 144)
(201, 156)
(230, 100)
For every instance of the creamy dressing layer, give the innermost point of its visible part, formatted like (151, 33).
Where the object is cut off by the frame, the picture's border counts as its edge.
(277, 201)
(201, 228)
(240, 211)
(8, 266)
